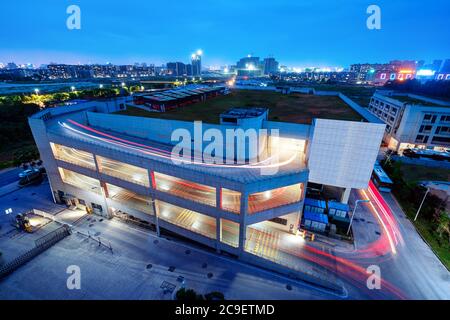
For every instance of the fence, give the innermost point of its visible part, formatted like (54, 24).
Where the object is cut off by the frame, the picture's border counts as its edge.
(41, 245)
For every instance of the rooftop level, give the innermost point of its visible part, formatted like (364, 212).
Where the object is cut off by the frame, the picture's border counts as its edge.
(294, 107)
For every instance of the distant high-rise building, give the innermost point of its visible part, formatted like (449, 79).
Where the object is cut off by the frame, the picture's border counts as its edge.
(249, 66)
(176, 68)
(196, 60)
(446, 66)
(436, 65)
(11, 66)
(270, 66)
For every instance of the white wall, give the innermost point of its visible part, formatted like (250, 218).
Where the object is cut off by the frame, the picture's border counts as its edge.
(342, 153)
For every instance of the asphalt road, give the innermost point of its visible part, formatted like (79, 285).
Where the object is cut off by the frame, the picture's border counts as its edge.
(414, 269)
(9, 176)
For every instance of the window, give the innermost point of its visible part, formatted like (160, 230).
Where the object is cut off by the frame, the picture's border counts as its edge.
(185, 189)
(270, 199)
(445, 118)
(445, 140)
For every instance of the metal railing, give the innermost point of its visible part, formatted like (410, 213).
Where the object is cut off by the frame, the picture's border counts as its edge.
(41, 245)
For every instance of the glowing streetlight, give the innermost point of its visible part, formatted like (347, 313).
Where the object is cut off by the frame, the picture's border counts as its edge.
(72, 88)
(101, 86)
(36, 91)
(123, 84)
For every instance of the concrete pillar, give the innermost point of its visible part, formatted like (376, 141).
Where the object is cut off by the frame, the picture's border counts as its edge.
(346, 195)
(103, 188)
(218, 226)
(152, 188)
(242, 222)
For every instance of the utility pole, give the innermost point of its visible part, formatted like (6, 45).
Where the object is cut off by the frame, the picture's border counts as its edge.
(421, 204)
(353, 214)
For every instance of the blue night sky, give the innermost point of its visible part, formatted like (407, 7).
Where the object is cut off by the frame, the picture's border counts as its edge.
(298, 33)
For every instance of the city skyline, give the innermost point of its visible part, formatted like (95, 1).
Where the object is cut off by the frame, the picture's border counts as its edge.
(119, 36)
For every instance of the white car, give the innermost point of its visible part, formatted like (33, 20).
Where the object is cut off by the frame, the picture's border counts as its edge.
(27, 172)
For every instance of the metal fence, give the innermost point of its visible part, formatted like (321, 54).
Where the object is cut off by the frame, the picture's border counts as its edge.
(41, 245)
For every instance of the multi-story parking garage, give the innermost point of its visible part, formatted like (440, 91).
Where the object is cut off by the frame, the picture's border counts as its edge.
(112, 164)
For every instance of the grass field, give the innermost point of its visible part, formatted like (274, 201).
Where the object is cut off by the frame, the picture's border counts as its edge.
(295, 108)
(414, 173)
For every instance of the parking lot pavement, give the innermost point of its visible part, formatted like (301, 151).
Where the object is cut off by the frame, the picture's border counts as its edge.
(137, 267)
(28, 198)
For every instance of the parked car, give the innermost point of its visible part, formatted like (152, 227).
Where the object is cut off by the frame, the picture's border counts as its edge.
(27, 172)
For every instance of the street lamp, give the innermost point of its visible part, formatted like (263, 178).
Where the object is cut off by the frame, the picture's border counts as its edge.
(423, 200)
(101, 86)
(353, 214)
(72, 88)
(36, 91)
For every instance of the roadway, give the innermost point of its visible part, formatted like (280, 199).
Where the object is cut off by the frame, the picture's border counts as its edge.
(9, 176)
(391, 242)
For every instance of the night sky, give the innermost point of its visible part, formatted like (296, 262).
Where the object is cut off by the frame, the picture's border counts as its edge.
(298, 33)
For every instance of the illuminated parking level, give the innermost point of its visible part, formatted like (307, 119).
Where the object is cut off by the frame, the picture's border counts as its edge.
(80, 181)
(185, 189)
(74, 156)
(270, 199)
(123, 171)
(187, 219)
(230, 200)
(129, 198)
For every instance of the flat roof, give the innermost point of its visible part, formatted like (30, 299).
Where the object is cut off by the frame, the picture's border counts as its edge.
(294, 108)
(338, 205)
(409, 100)
(244, 112)
(315, 203)
(314, 216)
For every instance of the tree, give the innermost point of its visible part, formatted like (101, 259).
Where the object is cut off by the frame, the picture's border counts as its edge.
(188, 295)
(443, 226)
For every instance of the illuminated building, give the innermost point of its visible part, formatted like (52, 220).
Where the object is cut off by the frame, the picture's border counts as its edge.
(116, 165)
(270, 66)
(412, 121)
(196, 60)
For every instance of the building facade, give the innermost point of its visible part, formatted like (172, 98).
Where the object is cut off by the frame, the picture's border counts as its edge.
(412, 121)
(116, 165)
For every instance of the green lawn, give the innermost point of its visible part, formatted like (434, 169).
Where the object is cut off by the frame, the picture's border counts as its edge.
(405, 177)
(426, 229)
(295, 108)
(414, 173)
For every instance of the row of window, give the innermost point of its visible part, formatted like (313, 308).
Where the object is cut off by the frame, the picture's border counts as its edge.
(230, 200)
